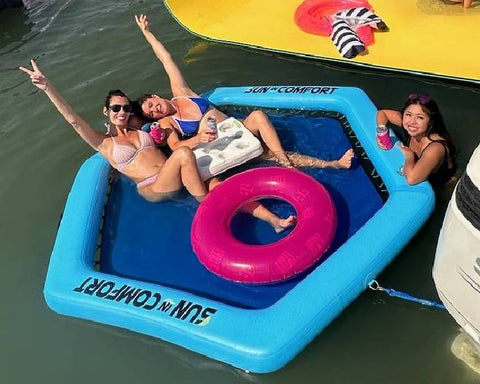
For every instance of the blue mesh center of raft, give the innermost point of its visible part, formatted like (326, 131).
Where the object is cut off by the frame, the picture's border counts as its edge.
(151, 241)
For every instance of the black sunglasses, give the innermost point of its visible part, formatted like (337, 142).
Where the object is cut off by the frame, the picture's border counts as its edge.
(117, 107)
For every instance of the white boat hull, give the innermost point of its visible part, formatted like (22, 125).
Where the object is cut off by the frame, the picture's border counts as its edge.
(456, 270)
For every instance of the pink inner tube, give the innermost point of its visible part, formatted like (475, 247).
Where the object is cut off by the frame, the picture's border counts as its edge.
(221, 253)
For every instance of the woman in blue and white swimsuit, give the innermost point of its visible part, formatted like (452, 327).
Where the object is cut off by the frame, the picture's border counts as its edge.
(185, 115)
(133, 152)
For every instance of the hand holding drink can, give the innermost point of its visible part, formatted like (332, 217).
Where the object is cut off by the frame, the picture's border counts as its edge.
(383, 137)
(212, 124)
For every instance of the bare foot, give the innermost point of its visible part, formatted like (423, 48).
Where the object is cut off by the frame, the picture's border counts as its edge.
(345, 161)
(280, 225)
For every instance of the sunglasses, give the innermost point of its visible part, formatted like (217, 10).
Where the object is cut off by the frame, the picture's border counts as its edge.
(424, 99)
(117, 107)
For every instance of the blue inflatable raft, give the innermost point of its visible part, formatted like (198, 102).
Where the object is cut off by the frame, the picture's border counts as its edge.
(123, 261)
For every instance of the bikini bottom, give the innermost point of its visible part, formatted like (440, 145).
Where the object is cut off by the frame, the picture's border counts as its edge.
(147, 181)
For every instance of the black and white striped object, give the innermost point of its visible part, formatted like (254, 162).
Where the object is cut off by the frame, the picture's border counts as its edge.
(346, 39)
(359, 16)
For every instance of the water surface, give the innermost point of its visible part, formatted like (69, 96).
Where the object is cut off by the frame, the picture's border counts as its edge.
(88, 47)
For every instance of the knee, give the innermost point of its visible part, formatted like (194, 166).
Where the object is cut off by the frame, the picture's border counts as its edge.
(184, 155)
(257, 116)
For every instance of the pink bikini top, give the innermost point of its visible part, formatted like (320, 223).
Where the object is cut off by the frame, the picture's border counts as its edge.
(123, 155)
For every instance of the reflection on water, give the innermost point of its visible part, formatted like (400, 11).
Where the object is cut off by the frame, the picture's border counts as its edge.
(20, 25)
(14, 25)
(464, 349)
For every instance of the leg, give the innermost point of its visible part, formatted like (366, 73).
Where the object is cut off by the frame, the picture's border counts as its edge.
(180, 169)
(260, 212)
(212, 183)
(299, 160)
(259, 124)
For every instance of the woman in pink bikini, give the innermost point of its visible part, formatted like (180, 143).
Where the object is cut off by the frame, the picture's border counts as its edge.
(133, 152)
(185, 115)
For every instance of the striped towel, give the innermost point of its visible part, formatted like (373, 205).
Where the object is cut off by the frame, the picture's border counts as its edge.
(344, 26)
(346, 39)
(359, 16)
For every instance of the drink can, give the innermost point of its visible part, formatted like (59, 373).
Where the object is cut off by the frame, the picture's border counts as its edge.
(384, 137)
(212, 123)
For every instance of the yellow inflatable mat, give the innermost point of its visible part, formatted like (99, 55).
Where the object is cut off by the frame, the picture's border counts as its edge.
(425, 37)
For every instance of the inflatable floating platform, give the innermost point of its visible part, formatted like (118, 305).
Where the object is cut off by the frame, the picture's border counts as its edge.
(426, 37)
(126, 262)
(456, 270)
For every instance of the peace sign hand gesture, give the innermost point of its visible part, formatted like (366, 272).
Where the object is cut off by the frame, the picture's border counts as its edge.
(38, 78)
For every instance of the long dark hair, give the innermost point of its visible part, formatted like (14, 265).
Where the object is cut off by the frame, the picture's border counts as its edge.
(436, 124)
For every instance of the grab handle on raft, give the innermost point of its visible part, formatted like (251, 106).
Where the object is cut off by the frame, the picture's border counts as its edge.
(392, 292)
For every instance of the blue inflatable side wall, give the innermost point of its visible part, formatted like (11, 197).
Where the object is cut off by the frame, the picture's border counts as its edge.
(254, 340)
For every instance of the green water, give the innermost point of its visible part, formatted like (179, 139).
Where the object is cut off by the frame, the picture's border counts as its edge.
(88, 47)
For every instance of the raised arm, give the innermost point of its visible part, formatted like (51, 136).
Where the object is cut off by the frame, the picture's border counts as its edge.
(385, 116)
(86, 132)
(177, 82)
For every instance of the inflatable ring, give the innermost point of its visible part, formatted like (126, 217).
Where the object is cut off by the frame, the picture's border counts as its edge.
(314, 16)
(221, 253)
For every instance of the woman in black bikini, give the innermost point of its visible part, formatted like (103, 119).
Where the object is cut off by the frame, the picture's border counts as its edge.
(185, 115)
(427, 145)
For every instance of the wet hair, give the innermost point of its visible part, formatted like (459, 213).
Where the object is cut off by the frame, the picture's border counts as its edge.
(139, 102)
(112, 93)
(144, 98)
(436, 124)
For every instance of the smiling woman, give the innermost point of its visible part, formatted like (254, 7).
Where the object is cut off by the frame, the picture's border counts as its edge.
(427, 145)
(185, 115)
(131, 152)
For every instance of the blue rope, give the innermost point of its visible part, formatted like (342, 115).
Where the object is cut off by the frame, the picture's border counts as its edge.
(392, 292)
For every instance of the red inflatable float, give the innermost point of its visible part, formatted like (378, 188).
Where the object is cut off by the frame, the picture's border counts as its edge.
(226, 256)
(315, 16)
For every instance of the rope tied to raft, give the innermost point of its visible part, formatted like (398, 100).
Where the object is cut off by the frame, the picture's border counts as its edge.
(402, 295)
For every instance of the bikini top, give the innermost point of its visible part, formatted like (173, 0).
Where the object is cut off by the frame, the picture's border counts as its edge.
(124, 154)
(444, 173)
(189, 127)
